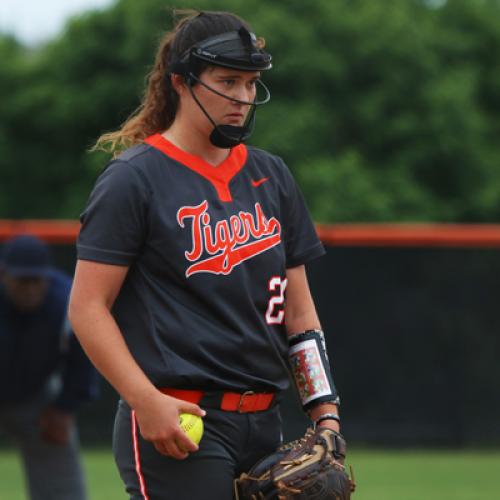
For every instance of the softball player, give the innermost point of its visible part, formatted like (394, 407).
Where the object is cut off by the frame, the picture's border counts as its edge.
(192, 249)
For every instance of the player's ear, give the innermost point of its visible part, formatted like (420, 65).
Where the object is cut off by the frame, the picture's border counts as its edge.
(178, 83)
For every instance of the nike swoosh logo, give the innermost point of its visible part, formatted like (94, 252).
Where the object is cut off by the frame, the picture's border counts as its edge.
(259, 182)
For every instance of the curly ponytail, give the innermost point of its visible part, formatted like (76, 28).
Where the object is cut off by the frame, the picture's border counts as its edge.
(158, 108)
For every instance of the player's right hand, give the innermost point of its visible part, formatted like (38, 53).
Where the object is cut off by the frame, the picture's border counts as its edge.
(56, 425)
(158, 419)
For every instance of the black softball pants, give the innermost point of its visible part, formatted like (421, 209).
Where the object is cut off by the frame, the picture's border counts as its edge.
(232, 442)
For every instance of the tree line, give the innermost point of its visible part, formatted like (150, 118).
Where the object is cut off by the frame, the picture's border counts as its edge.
(385, 110)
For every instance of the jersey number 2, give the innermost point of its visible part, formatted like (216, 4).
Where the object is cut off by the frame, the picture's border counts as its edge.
(275, 313)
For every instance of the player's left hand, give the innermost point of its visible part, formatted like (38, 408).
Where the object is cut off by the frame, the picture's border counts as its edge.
(55, 425)
(311, 467)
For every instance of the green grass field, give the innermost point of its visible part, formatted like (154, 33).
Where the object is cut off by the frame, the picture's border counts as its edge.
(381, 475)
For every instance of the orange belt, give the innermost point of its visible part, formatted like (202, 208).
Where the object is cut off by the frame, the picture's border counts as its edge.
(246, 402)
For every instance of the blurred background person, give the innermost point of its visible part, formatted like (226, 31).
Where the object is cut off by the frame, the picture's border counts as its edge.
(45, 375)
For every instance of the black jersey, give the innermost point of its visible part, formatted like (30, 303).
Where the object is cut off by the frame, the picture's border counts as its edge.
(202, 306)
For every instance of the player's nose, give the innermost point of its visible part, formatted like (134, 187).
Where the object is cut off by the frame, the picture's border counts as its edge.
(243, 93)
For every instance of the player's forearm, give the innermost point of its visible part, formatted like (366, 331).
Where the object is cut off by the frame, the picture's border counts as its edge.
(300, 312)
(103, 343)
(297, 323)
(301, 315)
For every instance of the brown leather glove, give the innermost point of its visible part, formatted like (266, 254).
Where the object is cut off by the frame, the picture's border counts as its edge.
(311, 467)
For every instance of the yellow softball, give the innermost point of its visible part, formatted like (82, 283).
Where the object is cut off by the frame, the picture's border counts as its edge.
(192, 425)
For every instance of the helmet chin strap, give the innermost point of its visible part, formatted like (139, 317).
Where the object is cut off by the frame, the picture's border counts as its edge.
(228, 136)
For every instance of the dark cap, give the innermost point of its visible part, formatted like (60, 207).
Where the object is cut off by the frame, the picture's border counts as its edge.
(26, 256)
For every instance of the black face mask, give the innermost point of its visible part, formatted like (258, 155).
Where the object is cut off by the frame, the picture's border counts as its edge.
(228, 136)
(236, 50)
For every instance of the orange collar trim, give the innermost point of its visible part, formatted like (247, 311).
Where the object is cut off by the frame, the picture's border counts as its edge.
(220, 176)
